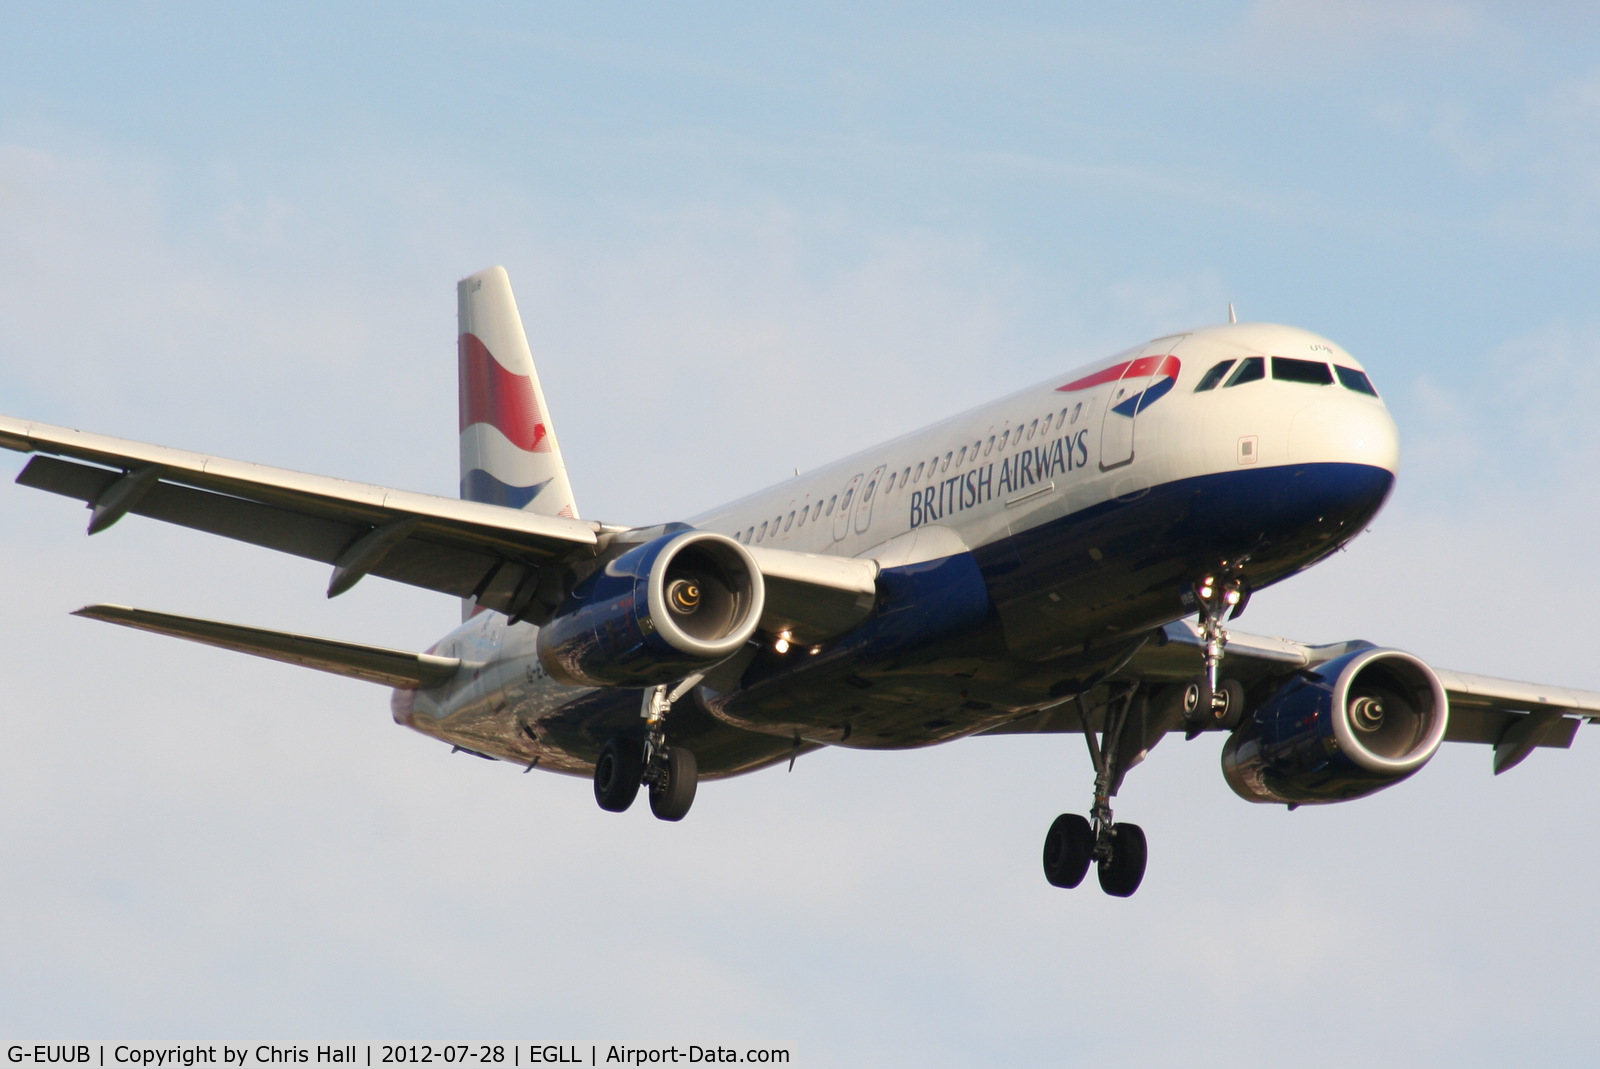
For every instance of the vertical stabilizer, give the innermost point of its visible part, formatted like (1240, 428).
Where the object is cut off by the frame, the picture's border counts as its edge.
(509, 454)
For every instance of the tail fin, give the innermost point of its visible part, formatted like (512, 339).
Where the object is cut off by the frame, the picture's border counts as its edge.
(509, 454)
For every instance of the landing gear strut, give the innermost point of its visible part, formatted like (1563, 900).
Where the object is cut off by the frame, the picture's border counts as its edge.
(1210, 701)
(670, 771)
(1073, 842)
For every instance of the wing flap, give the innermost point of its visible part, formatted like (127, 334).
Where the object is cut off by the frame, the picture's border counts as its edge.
(373, 664)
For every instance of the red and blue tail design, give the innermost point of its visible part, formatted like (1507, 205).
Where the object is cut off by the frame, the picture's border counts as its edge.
(509, 454)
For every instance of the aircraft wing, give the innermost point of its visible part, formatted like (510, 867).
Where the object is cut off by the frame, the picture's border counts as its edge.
(462, 548)
(510, 560)
(1512, 716)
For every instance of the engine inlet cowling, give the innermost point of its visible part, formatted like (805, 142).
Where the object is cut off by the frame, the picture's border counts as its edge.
(1348, 728)
(660, 611)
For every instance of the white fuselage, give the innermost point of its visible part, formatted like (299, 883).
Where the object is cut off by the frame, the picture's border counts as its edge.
(1034, 459)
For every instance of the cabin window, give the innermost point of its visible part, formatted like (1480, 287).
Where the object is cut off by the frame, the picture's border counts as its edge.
(1061, 420)
(1209, 380)
(763, 533)
(1251, 369)
(1351, 379)
(1003, 436)
(749, 535)
(989, 446)
(848, 494)
(890, 488)
(946, 465)
(1310, 372)
(1046, 428)
(803, 514)
(962, 457)
(789, 522)
(1077, 410)
(831, 500)
(918, 478)
(904, 476)
(1031, 428)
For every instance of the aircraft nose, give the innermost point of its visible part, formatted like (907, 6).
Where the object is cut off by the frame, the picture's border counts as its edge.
(1352, 430)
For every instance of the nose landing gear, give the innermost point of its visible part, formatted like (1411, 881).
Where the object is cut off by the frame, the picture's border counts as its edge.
(1211, 702)
(670, 771)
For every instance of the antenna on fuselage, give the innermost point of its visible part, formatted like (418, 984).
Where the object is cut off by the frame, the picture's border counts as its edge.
(1231, 317)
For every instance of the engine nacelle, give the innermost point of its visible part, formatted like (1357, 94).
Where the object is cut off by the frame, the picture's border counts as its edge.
(655, 614)
(1343, 730)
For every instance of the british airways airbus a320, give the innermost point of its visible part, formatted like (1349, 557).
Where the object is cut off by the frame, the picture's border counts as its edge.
(1060, 560)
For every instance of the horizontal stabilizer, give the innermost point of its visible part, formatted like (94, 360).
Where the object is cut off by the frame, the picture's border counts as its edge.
(375, 664)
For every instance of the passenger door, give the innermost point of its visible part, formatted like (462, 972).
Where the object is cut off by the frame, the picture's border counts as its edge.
(841, 519)
(1122, 404)
(868, 494)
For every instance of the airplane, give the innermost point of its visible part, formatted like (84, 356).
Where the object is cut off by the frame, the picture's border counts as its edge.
(1065, 559)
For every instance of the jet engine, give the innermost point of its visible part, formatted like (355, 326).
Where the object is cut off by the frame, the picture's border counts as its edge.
(1343, 730)
(655, 614)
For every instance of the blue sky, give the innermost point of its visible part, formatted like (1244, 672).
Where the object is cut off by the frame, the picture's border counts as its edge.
(747, 240)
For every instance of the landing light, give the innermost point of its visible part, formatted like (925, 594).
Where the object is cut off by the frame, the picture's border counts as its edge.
(784, 638)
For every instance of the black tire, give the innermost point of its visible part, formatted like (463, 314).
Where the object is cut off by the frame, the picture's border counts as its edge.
(617, 774)
(1203, 712)
(671, 798)
(1230, 712)
(1122, 872)
(1068, 849)
(1196, 706)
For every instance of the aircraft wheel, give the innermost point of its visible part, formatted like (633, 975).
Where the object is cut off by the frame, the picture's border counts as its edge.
(1229, 711)
(1121, 873)
(673, 792)
(1068, 849)
(1203, 712)
(617, 774)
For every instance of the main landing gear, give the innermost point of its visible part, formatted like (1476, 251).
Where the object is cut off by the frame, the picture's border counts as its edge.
(627, 764)
(1073, 842)
(1119, 851)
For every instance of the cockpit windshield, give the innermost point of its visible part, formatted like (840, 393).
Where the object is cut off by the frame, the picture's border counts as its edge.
(1284, 369)
(1209, 380)
(1251, 369)
(1351, 379)
(1311, 372)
